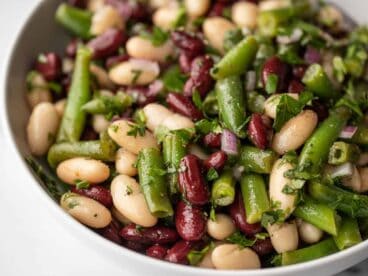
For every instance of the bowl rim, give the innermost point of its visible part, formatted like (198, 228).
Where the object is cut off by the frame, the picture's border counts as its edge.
(84, 231)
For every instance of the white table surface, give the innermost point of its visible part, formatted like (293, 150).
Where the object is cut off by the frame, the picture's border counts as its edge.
(31, 241)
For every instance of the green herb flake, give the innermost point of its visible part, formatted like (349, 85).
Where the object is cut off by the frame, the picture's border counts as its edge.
(272, 217)
(213, 212)
(81, 184)
(212, 174)
(129, 190)
(206, 126)
(196, 98)
(136, 75)
(272, 83)
(287, 108)
(195, 257)
(262, 236)
(174, 80)
(157, 37)
(240, 240)
(136, 130)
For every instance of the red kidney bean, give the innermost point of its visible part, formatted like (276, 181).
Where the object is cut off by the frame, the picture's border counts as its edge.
(114, 60)
(320, 109)
(178, 253)
(218, 8)
(212, 140)
(296, 86)
(107, 43)
(99, 193)
(156, 251)
(275, 66)
(141, 94)
(237, 212)
(216, 160)
(151, 235)
(111, 232)
(299, 71)
(263, 247)
(200, 78)
(191, 181)
(192, 45)
(257, 131)
(312, 55)
(49, 65)
(130, 10)
(78, 3)
(185, 61)
(190, 221)
(184, 106)
(71, 48)
(135, 246)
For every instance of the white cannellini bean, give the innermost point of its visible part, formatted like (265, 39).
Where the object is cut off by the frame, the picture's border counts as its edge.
(197, 151)
(364, 178)
(271, 103)
(80, 168)
(166, 16)
(95, 5)
(100, 123)
(118, 131)
(355, 181)
(221, 228)
(196, 8)
(155, 114)
(105, 18)
(363, 159)
(244, 14)
(141, 48)
(42, 128)
(86, 210)
(295, 132)
(125, 161)
(332, 16)
(273, 4)
(284, 237)
(102, 77)
(206, 262)
(214, 29)
(119, 216)
(231, 256)
(177, 121)
(285, 202)
(155, 4)
(39, 93)
(134, 71)
(130, 202)
(60, 107)
(308, 232)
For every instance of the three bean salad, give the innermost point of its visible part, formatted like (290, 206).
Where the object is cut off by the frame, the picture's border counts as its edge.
(220, 134)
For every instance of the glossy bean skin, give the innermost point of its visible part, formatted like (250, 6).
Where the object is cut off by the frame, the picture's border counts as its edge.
(49, 65)
(216, 160)
(263, 247)
(151, 235)
(192, 45)
(257, 131)
(107, 43)
(190, 222)
(276, 67)
(184, 106)
(156, 251)
(237, 212)
(111, 232)
(191, 181)
(178, 253)
(99, 193)
(212, 140)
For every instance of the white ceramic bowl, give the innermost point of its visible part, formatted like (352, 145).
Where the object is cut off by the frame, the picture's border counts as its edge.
(40, 33)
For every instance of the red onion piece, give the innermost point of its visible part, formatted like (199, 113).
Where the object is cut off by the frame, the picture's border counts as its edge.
(312, 55)
(348, 132)
(229, 142)
(342, 170)
(155, 88)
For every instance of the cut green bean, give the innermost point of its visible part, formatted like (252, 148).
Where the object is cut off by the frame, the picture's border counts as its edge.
(237, 60)
(315, 151)
(223, 189)
(361, 136)
(231, 103)
(256, 160)
(74, 118)
(349, 203)
(76, 21)
(316, 251)
(269, 21)
(153, 183)
(320, 215)
(255, 197)
(342, 152)
(318, 82)
(349, 234)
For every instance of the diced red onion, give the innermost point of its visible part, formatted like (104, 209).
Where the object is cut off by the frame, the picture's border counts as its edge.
(348, 132)
(342, 170)
(155, 88)
(229, 142)
(312, 55)
(250, 80)
(295, 36)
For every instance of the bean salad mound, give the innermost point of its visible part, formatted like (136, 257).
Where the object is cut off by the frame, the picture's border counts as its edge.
(218, 134)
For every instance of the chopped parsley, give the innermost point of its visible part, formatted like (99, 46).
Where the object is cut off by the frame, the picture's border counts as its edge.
(212, 174)
(129, 190)
(157, 37)
(240, 240)
(195, 257)
(272, 217)
(137, 130)
(136, 75)
(196, 98)
(206, 126)
(81, 184)
(174, 80)
(272, 83)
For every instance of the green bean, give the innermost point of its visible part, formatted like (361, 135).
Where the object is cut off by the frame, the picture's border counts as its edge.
(361, 136)
(342, 152)
(255, 197)
(237, 60)
(74, 118)
(349, 203)
(153, 183)
(255, 102)
(223, 189)
(318, 82)
(269, 21)
(355, 60)
(174, 149)
(256, 160)
(76, 21)
(231, 102)
(349, 234)
(315, 151)
(320, 215)
(318, 250)
(103, 149)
